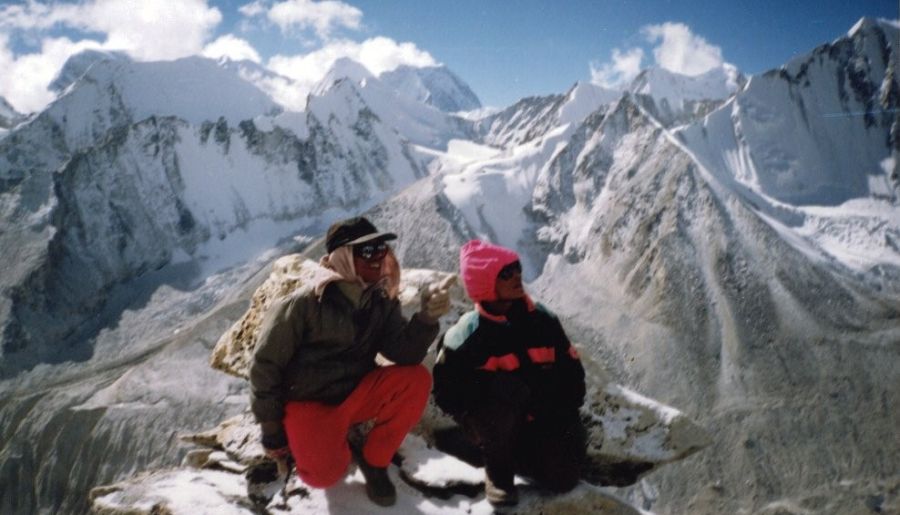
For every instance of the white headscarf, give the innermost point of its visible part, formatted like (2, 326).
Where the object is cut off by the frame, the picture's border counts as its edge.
(338, 266)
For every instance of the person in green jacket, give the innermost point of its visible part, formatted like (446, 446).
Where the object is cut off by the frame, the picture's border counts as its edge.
(315, 370)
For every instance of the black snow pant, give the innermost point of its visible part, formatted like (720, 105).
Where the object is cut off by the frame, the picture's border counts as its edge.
(548, 449)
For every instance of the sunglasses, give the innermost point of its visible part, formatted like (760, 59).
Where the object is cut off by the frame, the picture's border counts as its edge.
(508, 271)
(371, 251)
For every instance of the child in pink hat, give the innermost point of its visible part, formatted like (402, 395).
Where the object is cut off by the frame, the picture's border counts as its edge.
(507, 373)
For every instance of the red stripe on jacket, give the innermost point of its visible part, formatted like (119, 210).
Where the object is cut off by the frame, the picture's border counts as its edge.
(541, 355)
(507, 363)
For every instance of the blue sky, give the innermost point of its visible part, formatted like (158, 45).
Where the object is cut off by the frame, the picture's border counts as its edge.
(504, 50)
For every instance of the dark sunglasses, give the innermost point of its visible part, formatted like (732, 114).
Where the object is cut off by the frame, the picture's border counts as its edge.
(508, 271)
(371, 251)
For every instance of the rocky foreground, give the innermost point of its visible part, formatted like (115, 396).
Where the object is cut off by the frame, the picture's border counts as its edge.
(227, 472)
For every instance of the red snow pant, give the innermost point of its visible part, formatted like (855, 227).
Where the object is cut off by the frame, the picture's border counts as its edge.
(393, 396)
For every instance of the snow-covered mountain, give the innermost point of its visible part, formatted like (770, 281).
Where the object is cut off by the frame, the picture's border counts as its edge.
(731, 251)
(767, 301)
(675, 99)
(533, 117)
(436, 86)
(421, 124)
(138, 166)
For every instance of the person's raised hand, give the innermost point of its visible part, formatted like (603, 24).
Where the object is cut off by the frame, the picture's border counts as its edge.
(436, 300)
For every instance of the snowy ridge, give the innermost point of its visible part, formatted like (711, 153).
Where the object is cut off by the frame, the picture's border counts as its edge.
(674, 99)
(676, 89)
(282, 90)
(419, 123)
(77, 65)
(534, 117)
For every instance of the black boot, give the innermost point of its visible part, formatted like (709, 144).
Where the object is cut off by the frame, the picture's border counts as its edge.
(379, 487)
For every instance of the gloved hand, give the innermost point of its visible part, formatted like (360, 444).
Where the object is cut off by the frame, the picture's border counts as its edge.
(274, 441)
(436, 300)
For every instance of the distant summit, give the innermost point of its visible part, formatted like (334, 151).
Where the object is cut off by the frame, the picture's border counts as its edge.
(342, 69)
(436, 86)
(78, 64)
(716, 84)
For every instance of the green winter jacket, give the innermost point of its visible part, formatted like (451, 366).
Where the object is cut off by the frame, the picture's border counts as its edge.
(312, 350)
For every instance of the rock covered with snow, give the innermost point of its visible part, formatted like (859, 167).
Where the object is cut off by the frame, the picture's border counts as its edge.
(421, 478)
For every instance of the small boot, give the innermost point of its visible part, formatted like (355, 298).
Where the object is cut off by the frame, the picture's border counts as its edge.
(379, 487)
(500, 495)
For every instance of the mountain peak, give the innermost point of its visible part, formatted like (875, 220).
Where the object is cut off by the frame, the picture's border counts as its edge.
(436, 86)
(78, 64)
(343, 68)
(868, 23)
(718, 83)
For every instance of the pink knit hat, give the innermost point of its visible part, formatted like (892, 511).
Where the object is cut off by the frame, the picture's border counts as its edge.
(479, 264)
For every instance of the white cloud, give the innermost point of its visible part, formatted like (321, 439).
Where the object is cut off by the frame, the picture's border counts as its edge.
(252, 9)
(25, 78)
(623, 67)
(378, 54)
(232, 47)
(323, 17)
(676, 49)
(682, 51)
(161, 29)
(35, 15)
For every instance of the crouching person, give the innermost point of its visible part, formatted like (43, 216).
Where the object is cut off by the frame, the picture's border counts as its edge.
(314, 372)
(507, 373)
